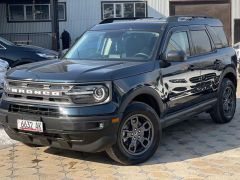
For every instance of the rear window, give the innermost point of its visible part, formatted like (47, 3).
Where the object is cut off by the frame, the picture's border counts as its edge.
(201, 42)
(219, 37)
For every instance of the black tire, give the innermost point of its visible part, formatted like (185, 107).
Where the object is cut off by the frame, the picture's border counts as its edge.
(219, 113)
(147, 124)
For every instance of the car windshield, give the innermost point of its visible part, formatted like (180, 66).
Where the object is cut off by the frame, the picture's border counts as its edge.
(114, 45)
(6, 42)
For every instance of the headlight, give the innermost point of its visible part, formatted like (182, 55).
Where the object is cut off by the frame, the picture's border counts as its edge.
(47, 56)
(91, 94)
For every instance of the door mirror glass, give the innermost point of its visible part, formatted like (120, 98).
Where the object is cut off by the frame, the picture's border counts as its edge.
(176, 56)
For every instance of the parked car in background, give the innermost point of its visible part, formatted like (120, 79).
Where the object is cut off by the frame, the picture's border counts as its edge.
(237, 49)
(16, 54)
(4, 66)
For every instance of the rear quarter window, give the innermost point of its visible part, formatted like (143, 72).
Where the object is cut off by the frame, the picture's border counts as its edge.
(201, 42)
(219, 37)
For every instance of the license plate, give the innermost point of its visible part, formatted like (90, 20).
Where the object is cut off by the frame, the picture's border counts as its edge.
(27, 125)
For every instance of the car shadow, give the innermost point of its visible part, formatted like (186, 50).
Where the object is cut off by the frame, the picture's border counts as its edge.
(196, 137)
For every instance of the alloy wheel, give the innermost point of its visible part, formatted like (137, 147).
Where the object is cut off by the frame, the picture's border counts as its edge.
(137, 134)
(228, 101)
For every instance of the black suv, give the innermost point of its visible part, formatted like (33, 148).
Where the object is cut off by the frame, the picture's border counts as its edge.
(120, 84)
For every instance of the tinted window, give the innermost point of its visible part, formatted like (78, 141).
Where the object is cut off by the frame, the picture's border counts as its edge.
(179, 42)
(201, 42)
(114, 45)
(221, 35)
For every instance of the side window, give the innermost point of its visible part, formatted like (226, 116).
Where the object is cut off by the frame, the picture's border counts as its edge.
(179, 42)
(221, 35)
(201, 42)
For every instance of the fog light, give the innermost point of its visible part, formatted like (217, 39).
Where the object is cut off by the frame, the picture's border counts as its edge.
(101, 125)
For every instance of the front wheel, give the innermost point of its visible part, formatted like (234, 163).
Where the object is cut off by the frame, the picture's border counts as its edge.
(138, 136)
(225, 108)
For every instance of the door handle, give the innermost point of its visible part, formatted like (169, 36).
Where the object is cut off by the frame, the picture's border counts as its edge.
(191, 67)
(217, 61)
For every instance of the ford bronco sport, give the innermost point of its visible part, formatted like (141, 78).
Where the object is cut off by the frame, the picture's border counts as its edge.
(120, 84)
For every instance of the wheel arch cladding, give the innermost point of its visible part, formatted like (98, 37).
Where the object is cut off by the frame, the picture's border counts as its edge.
(231, 74)
(145, 95)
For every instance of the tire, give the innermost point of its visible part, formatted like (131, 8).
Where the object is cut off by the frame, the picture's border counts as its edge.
(224, 110)
(136, 146)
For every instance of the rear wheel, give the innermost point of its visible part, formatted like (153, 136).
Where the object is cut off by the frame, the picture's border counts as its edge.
(138, 136)
(225, 109)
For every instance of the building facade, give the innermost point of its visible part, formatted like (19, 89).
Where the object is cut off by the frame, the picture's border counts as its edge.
(29, 21)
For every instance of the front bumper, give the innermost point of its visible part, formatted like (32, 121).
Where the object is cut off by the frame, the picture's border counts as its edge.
(84, 133)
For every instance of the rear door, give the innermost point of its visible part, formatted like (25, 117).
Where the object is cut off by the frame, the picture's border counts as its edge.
(180, 80)
(210, 61)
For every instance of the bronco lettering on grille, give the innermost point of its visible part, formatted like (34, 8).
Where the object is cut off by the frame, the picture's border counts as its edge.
(34, 92)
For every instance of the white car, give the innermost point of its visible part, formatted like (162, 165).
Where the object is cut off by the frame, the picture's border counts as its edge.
(237, 48)
(4, 66)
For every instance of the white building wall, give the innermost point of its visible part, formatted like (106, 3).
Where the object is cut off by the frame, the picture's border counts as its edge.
(20, 27)
(21, 32)
(83, 14)
(235, 9)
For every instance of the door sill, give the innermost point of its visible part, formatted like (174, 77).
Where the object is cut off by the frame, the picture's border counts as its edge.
(177, 117)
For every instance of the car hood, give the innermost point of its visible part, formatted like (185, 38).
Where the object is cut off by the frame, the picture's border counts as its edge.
(78, 71)
(36, 49)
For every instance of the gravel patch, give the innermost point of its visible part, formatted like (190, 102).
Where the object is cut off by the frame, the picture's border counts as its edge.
(5, 141)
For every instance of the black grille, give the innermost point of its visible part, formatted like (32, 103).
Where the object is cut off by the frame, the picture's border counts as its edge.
(210, 76)
(40, 86)
(197, 79)
(44, 111)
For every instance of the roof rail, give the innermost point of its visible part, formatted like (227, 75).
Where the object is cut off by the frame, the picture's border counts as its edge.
(186, 18)
(111, 20)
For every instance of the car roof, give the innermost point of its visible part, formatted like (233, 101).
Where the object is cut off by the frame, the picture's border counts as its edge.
(155, 23)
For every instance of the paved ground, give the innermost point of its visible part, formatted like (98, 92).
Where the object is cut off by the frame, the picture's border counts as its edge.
(194, 149)
(5, 141)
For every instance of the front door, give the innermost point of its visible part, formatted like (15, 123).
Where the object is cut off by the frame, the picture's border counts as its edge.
(181, 81)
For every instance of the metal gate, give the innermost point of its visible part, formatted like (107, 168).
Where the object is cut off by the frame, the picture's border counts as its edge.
(37, 39)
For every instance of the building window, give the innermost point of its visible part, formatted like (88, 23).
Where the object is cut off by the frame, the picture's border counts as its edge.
(16, 12)
(124, 9)
(62, 11)
(37, 12)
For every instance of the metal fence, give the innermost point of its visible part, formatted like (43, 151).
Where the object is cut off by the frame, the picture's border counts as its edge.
(37, 39)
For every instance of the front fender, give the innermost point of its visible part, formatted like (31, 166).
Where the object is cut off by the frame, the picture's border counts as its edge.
(146, 90)
(228, 70)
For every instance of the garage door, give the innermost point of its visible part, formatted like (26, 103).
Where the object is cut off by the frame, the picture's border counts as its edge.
(237, 30)
(220, 9)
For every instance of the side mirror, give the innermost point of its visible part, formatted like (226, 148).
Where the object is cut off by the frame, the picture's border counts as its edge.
(175, 56)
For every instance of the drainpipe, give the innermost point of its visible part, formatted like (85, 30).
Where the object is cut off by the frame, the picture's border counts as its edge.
(55, 24)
